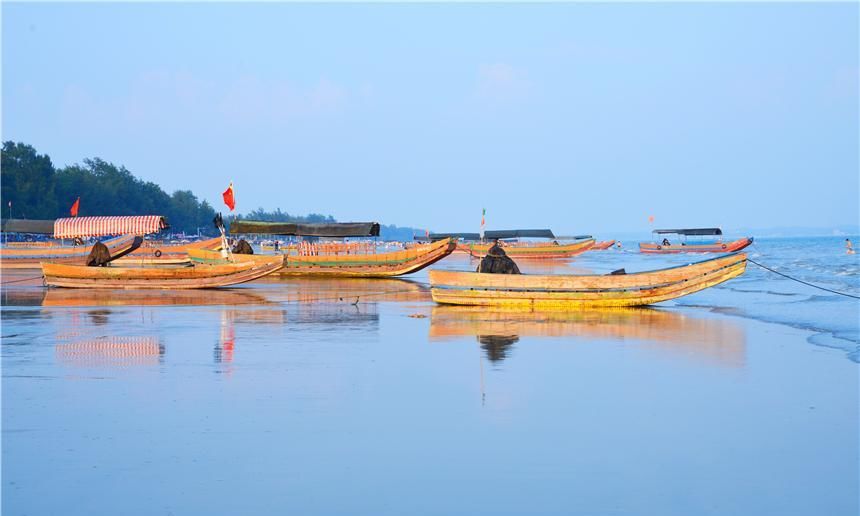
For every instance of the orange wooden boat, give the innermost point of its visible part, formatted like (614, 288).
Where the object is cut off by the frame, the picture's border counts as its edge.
(25, 257)
(363, 265)
(582, 291)
(477, 245)
(130, 227)
(684, 246)
(531, 250)
(200, 276)
(348, 259)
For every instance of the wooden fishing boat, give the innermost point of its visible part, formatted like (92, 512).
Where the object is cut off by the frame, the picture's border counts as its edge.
(131, 229)
(362, 265)
(685, 246)
(20, 257)
(601, 246)
(477, 245)
(580, 291)
(200, 276)
(344, 259)
(531, 250)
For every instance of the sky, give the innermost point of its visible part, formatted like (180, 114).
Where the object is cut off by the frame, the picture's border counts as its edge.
(584, 118)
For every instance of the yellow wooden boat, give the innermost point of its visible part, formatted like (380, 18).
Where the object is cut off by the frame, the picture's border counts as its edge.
(27, 257)
(580, 291)
(532, 250)
(365, 265)
(200, 276)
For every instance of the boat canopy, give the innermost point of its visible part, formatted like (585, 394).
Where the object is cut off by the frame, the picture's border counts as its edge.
(575, 237)
(36, 227)
(333, 229)
(689, 232)
(73, 227)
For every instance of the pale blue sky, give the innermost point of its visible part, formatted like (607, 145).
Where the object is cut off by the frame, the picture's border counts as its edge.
(579, 117)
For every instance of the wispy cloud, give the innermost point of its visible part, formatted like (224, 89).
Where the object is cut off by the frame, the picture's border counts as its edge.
(502, 82)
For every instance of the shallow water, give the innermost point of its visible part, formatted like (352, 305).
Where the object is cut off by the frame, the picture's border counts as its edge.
(362, 397)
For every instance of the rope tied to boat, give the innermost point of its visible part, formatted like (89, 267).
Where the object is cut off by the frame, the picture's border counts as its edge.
(801, 281)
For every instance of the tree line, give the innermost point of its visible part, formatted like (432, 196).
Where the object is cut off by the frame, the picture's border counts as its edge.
(38, 190)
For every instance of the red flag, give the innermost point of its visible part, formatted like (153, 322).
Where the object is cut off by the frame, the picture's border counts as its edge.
(228, 197)
(74, 210)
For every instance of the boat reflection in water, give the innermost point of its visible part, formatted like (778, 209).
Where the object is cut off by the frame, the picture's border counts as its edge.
(716, 340)
(119, 297)
(111, 352)
(340, 290)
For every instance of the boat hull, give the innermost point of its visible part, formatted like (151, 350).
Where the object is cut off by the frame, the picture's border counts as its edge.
(722, 247)
(201, 276)
(571, 292)
(379, 265)
(543, 251)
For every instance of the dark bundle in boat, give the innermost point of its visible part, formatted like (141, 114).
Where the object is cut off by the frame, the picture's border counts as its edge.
(99, 256)
(242, 247)
(497, 262)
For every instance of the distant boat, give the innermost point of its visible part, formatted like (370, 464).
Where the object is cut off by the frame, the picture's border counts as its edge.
(666, 246)
(201, 276)
(514, 247)
(582, 291)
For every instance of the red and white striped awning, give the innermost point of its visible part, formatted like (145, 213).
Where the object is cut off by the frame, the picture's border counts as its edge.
(103, 226)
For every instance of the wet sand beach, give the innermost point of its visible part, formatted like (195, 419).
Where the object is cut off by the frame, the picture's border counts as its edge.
(363, 397)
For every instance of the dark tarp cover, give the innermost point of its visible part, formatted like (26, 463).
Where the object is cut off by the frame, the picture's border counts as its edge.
(692, 232)
(334, 229)
(493, 235)
(39, 227)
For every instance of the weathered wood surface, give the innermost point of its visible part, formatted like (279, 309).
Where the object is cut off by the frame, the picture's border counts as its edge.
(720, 247)
(471, 288)
(200, 276)
(352, 265)
(530, 250)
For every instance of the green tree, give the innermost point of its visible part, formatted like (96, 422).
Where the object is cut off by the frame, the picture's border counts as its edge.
(27, 180)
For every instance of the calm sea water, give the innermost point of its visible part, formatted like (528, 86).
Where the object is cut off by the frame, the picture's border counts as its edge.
(362, 397)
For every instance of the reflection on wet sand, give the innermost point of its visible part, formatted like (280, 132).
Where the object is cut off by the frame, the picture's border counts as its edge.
(23, 296)
(344, 290)
(98, 297)
(496, 346)
(716, 340)
(111, 351)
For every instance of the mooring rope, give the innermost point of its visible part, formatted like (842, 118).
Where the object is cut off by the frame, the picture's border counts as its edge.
(801, 281)
(21, 280)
